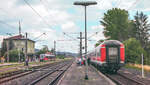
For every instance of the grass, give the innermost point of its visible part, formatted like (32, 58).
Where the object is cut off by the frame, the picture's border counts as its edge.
(138, 67)
(11, 70)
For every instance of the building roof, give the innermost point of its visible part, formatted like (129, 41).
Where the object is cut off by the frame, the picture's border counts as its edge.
(17, 37)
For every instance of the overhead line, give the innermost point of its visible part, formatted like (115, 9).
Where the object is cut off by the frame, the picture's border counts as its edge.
(36, 13)
(7, 24)
(117, 5)
(70, 36)
(133, 5)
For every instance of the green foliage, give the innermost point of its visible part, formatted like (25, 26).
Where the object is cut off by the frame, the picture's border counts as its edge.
(42, 51)
(60, 57)
(13, 56)
(142, 29)
(11, 44)
(4, 48)
(99, 42)
(134, 33)
(133, 50)
(116, 24)
(52, 50)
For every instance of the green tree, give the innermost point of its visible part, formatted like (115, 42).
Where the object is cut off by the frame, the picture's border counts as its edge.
(142, 29)
(132, 29)
(99, 42)
(4, 48)
(13, 55)
(52, 50)
(42, 51)
(133, 50)
(11, 44)
(115, 24)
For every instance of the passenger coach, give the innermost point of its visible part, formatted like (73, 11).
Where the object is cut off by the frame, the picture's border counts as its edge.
(108, 56)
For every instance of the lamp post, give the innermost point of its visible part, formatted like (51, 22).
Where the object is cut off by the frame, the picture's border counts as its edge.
(85, 4)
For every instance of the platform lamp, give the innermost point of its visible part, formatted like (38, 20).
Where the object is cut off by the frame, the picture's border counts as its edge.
(85, 4)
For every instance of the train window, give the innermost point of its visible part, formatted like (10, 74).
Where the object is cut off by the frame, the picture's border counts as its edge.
(99, 52)
(113, 51)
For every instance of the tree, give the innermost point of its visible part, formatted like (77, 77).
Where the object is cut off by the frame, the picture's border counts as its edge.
(142, 29)
(52, 50)
(4, 48)
(99, 42)
(11, 44)
(132, 29)
(42, 51)
(115, 24)
(14, 56)
(133, 50)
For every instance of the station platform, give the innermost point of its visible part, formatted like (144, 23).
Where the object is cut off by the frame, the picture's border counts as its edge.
(75, 76)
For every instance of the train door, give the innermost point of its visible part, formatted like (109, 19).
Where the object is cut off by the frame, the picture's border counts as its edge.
(112, 54)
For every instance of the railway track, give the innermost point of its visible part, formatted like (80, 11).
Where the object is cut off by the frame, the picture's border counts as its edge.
(17, 74)
(120, 79)
(9, 74)
(52, 77)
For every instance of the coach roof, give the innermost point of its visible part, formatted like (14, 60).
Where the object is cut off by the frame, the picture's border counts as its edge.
(112, 43)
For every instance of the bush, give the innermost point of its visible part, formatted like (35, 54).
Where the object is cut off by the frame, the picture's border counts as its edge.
(133, 51)
(13, 56)
(60, 57)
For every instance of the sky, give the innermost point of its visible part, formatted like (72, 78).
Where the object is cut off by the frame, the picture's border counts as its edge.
(56, 17)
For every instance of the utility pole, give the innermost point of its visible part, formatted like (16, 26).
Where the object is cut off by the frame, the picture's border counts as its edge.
(19, 43)
(19, 28)
(55, 48)
(8, 50)
(19, 54)
(26, 48)
(80, 44)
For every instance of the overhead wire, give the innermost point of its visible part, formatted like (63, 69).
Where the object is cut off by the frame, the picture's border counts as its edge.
(70, 36)
(118, 4)
(7, 24)
(3, 22)
(37, 13)
(133, 5)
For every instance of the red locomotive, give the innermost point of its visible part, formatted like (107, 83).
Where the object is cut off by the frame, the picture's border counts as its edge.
(108, 56)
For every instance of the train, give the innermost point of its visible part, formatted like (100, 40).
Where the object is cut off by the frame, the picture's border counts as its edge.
(109, 56)
(46, 57)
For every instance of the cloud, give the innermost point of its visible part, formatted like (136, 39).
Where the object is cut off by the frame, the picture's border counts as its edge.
(58, 16)
(69, 27)
(104, 4)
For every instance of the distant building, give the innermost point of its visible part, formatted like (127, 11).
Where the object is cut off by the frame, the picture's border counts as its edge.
(18, 43)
